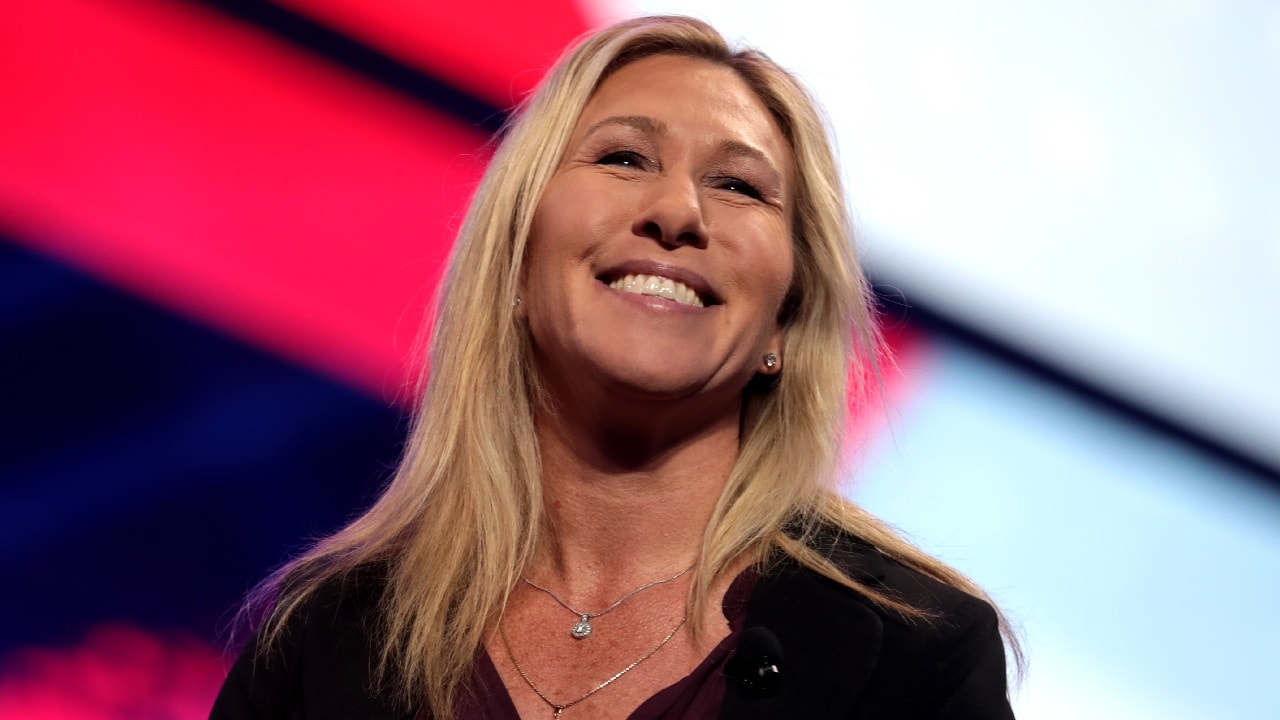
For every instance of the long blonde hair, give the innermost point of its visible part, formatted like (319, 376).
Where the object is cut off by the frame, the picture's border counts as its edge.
(459, 521)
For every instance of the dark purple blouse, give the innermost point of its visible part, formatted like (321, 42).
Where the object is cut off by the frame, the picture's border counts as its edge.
(695, 697)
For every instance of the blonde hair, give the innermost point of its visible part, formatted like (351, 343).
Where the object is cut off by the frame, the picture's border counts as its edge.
(461, 517)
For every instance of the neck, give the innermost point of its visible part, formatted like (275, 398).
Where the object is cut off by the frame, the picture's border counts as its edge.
(625, 506)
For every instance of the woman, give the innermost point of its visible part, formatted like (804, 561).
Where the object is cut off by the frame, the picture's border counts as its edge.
(616, 499)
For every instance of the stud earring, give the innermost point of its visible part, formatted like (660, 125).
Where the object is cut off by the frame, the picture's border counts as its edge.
(516, 302)
(770, 361)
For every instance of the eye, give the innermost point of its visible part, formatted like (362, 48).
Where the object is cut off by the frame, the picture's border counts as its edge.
(742, 187)
(625, 158)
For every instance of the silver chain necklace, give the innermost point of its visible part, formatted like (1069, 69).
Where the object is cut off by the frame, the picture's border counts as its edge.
(558, 708)
(582, 628)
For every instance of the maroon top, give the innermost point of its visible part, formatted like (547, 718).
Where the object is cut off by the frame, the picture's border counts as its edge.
(695, 697)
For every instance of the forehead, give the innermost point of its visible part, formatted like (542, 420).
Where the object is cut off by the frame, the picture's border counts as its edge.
(695, 98)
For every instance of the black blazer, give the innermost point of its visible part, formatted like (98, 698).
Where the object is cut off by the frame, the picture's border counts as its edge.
(844, 657)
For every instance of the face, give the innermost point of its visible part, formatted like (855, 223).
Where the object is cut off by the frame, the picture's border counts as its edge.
(661, 252)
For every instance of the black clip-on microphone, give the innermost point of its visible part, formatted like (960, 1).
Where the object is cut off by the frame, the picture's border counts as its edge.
(756, 664)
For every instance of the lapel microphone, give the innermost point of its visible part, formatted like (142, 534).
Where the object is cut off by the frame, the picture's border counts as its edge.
(756, 664)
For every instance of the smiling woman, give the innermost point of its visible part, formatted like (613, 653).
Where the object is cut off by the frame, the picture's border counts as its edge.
(673, 177)
(617, 497)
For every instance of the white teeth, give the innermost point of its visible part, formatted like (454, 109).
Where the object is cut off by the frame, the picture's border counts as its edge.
(658, 286)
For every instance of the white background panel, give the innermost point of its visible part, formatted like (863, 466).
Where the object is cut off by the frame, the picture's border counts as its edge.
(1095, 182)
(1145, 577)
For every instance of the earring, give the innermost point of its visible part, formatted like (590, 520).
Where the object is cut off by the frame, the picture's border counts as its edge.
(770, 361)
(516, 302)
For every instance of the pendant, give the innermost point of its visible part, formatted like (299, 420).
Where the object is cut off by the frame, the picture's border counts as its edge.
(581, 629)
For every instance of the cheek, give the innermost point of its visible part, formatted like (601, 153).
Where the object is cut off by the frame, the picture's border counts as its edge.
(545, 234)
(567, 223)
(785, 269)
(778, 299)
(778, 271)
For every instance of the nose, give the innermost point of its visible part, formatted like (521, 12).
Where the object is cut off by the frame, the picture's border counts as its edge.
(672, 213)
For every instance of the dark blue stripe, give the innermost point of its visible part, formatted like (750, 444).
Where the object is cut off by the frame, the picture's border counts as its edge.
(372, 64)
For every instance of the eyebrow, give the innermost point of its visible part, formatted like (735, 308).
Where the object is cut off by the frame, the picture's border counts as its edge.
(646, 125)
(652, 126)
(734, 148)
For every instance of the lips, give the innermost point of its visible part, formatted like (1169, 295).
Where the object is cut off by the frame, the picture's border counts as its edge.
(678, 285)
(658, 286)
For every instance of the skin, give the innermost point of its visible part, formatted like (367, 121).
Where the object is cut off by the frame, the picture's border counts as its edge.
(676, 168)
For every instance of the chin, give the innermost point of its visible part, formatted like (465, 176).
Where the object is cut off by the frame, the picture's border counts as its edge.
(685, 394)
(658, 385)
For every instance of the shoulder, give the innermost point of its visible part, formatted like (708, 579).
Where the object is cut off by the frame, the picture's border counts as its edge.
(865, 564)
(322, 664)
(953, 658)
(944, 609)
(956, 637)
(945, 661)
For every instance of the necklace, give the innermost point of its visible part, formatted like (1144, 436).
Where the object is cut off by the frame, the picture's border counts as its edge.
(582, 628)
(558, 708)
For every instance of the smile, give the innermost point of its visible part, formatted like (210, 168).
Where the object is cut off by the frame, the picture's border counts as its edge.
(658, 286)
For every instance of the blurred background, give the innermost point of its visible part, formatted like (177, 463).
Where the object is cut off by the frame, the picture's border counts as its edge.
(221, 222)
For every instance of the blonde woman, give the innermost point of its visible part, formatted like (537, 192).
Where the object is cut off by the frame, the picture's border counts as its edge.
(617, 497)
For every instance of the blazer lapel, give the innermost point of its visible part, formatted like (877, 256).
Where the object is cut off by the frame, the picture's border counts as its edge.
(829, 638)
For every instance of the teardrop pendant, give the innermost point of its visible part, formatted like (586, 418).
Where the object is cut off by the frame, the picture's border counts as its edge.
(582, 628)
